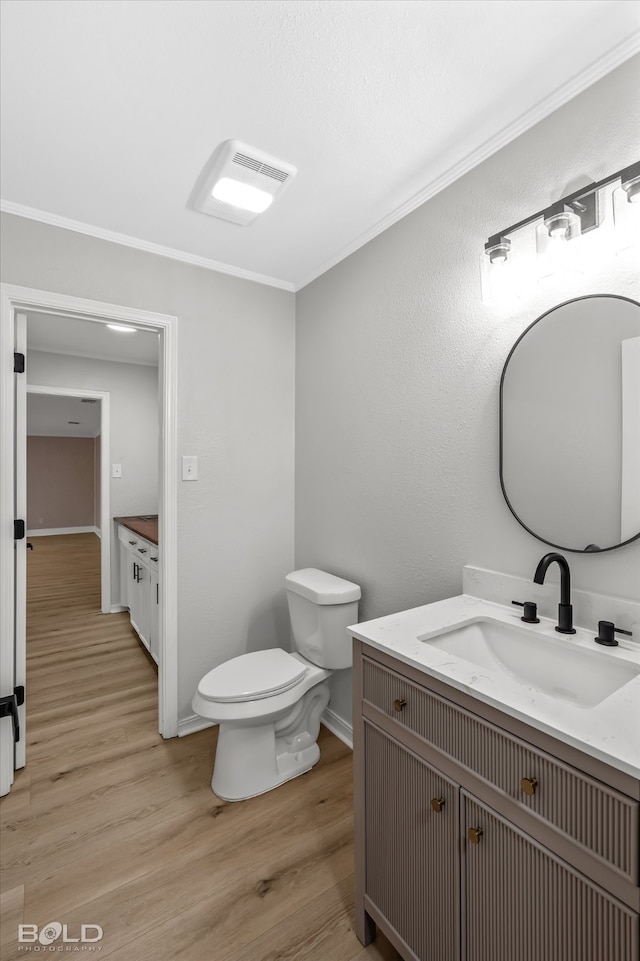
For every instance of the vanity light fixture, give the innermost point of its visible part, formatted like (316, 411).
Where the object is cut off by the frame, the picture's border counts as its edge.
(497, 249)
(562, 222)
(626, 210)
(122, 328)
(630, 182)
(558, 226)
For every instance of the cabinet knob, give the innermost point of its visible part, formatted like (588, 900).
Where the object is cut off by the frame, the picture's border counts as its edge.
(529, 785)
(437, 803)
(474, 835)
(133, 543)
(399, 704)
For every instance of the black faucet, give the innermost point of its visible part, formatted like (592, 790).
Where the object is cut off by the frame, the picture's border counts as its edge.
(565, 611)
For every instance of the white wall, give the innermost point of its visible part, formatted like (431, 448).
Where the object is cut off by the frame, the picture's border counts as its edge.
(398, 370)
(133, 403)
(235, 412)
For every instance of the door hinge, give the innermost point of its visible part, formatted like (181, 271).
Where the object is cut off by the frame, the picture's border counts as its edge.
(18, 530)
(18, 363)
(9, 708)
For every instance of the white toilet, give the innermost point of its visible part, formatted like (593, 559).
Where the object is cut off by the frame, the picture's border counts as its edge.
(269, 703)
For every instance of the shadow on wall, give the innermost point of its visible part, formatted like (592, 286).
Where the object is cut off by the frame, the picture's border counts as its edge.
(269, 625)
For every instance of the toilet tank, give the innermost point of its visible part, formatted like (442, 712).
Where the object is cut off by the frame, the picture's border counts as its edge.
(321, 607)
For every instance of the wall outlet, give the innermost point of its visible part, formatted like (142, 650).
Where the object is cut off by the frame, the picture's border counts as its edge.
(116, 470)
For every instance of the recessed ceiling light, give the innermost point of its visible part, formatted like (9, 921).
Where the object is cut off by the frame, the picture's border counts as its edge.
(122, 328)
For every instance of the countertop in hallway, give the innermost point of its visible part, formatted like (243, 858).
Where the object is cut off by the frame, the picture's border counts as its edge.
(145, 525)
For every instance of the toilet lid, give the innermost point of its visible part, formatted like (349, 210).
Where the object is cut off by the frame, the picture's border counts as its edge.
(252, 676)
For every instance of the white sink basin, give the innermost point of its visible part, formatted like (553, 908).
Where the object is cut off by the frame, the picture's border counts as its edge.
(557, 668)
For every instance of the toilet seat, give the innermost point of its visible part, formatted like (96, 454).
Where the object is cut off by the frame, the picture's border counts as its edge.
(251, 677)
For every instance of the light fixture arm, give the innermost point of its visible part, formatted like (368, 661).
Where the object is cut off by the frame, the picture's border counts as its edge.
(572, 200)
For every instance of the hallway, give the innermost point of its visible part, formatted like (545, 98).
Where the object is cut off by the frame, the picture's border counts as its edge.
(110, 825)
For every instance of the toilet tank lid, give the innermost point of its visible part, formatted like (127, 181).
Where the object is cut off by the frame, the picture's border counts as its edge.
(321, 587)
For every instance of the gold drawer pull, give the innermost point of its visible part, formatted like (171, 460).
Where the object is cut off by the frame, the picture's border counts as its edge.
(399, 704)
(474, 835)
(437, 803)
(529, 785)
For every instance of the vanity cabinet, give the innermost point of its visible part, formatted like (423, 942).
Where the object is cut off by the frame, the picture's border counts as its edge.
(139, 588)
(412, 828)
(154, 606)
(479, 838)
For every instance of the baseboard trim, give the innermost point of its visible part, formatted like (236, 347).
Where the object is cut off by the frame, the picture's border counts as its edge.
(52, 531)
(193, 723)
(117, 609)
(338, 726)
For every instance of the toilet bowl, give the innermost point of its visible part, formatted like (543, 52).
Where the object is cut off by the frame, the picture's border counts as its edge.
(269, 703)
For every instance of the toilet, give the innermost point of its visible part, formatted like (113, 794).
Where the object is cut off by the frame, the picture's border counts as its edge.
(269, 703)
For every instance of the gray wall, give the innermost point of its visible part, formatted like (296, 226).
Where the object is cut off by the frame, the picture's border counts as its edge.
(398, 369)
(235, 411)
(133, 410)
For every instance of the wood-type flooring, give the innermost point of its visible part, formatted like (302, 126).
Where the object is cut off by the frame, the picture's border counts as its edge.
(111, 825)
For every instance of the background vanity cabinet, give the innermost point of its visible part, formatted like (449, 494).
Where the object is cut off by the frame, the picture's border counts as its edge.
(154, 603)
(478, 838)
(139, 590)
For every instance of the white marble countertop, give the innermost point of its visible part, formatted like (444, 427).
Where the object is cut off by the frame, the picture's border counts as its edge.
(609, 730)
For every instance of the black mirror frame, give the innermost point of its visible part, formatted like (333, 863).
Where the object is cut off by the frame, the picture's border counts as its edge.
(573, 550)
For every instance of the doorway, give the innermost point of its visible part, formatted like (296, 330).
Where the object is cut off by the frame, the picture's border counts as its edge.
(16, 302)
(52, 423)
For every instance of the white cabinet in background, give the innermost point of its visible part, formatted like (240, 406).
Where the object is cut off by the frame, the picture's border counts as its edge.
(154, 607)
(139, 586)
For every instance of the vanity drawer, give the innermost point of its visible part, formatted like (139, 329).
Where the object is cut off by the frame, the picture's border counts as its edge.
(128, 538)
(590, 813)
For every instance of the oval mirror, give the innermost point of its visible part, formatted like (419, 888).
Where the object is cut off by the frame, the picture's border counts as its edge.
(570, 425)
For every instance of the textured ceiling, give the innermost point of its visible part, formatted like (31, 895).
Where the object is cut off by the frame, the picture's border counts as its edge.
(48, 415)
(111, 109)
(83, 338)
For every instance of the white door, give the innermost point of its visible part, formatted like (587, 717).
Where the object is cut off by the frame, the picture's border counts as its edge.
(13, 661)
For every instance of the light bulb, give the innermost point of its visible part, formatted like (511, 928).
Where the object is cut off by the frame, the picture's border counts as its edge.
(241, 195)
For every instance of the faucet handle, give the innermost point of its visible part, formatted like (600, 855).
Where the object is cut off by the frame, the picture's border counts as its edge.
(606, 633)
(530, 613)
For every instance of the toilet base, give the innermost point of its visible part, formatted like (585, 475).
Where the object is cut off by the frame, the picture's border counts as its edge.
(252, 759)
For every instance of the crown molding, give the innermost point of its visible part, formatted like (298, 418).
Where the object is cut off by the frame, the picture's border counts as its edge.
(590, 75)
(444, 178)
(54, 220)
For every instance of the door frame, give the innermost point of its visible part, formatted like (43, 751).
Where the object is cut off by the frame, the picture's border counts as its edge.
(15, 298)
(105, 486)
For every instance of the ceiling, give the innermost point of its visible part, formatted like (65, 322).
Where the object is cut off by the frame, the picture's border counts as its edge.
(111, 108)
(84, 338)
(48, 415)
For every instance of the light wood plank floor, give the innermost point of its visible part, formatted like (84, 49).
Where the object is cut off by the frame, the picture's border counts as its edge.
(111, 825)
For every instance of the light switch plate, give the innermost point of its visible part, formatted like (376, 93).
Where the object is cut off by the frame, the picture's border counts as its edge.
(189, 468)
(116, 470)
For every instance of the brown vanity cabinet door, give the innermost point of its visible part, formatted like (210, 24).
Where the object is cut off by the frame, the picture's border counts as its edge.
(524, 903)
(412, 857)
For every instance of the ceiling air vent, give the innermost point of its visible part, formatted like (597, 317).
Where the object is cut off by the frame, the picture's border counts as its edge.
(240, 182)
